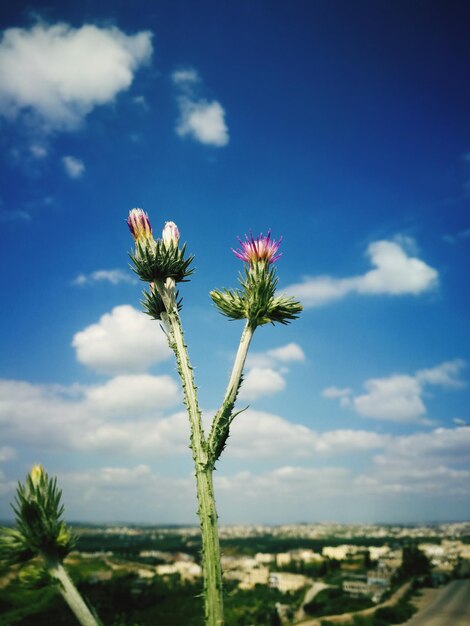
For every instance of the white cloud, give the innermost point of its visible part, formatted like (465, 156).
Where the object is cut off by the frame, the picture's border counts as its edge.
(289, 353)
(38, 151)
(185, 76)
(440, 446)
(445, 374)
(395, 273)
(141, 101)
(203, 121)
(343, 395)
(257, 434)
(400, 397)
(397, 398)
(260, 381)
(432, 464)
(199, 119)
(114, 276)
(127, 494)
(121, 395)
(124, 340)
(61, 73)
(285, 485)
(336, 392)
(124, 415)
(423, 465)
(420, 466)
(74, 168)
(266, 370)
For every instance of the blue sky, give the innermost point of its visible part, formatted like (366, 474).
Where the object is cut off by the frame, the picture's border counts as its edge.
(341, 126)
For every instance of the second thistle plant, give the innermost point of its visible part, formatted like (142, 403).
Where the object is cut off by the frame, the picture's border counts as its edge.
(40, 532)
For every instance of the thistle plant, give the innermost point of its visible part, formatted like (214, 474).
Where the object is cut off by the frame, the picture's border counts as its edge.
(40, 532)
(162, 264)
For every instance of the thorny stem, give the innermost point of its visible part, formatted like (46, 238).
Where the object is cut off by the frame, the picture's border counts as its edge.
(213, 598)
(224, 416)
(71, 594)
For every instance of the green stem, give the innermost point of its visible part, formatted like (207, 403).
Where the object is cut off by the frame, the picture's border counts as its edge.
(223, 418)
(213, 594)
(71, 594)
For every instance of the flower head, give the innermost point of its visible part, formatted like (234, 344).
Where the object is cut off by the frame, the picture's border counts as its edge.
(170, 235)
(139, 225)
(36, 474)
(257, 250)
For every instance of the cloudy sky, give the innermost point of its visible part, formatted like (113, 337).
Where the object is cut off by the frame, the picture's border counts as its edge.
(343, 127)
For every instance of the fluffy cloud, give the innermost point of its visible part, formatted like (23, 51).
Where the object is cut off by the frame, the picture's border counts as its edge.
(203, 121)
(261, 381)
(124, 340)
(257, 434)
(336, 392)
(395, 273)
(266, 370)
(289, 353)
(129, 494)
(399, 397)
(120, 395)
(61, 73)
(410, 470)
(185, 77)
(38, 151)
(124, 415)
(74, 168)
(115, 277)
(103, 419)
(446, 374)
(199, 119)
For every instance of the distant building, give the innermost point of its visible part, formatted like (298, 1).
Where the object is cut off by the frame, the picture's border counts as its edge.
(339, 552)
(283, 558)
(307, 556)
(265, 558)
(257, 576)
(376, 552)
(356, 588)
(373, 586)
(285, 581)
(188, 570)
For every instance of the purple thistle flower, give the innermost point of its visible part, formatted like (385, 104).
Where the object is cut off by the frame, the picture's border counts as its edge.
(139, 225)
(258, 249)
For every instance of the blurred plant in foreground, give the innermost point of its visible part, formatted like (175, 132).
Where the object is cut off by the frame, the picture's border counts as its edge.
(162, 263)
(40, 532)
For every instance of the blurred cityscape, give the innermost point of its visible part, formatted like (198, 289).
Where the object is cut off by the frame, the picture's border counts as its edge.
(312, 574)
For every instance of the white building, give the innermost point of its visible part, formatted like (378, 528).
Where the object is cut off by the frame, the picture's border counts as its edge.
(285, 581)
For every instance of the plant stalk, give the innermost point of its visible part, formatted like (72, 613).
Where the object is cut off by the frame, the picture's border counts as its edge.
(224, 416)
(213, 593)
(71, 594)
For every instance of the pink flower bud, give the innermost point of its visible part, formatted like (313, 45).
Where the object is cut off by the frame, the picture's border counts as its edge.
(139, 225)
(170, 235)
